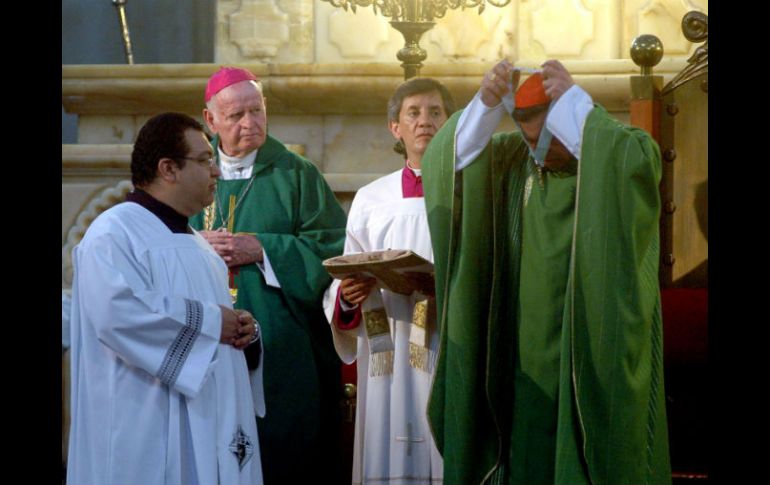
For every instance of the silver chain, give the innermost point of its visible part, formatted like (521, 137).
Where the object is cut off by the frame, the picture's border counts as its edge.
(238, 201)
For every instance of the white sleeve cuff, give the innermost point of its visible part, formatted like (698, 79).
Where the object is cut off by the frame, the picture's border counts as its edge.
(568, 117)
(346, 306)
(197, 365)
(267, 271)
(475, 128)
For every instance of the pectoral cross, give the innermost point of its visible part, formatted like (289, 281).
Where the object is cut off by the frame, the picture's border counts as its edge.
(409, 439)
(232, 272)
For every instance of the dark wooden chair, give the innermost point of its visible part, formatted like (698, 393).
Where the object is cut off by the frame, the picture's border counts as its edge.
(677, 116)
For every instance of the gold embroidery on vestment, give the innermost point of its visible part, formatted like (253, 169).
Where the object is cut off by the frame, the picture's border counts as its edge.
(376, 322)
(381, 364)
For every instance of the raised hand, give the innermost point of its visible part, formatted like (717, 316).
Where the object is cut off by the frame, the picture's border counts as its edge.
(495, 83)
(556, 79)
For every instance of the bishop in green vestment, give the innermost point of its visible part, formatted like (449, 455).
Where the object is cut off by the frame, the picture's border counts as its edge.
(550, 368)
(274, 220)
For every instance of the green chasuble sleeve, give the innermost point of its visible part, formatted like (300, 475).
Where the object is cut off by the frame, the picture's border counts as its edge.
(318, 234)
(613, 306)
(611, 415)
(470, 214)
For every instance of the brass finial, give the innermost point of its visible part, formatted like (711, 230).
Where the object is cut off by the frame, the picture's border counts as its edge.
(349, 390)
(646, 51)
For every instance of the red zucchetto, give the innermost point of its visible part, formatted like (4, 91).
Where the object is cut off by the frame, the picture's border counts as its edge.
(531, 92)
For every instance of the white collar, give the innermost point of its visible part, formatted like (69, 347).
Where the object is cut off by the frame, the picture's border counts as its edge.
(235, 163)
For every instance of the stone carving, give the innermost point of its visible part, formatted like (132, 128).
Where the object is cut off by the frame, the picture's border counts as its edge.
(301, 44)
(575, 26)
(258, 28)
(466, 35)
(357, 36)
(100, 203)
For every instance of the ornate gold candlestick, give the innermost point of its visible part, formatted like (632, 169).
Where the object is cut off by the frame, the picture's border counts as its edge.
(413, 18)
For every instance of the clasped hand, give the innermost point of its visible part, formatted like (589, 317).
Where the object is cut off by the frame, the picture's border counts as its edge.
(236, 249)
(238, 327)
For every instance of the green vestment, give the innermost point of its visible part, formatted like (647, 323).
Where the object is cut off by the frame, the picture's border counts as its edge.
(296, 217)
(550, 367)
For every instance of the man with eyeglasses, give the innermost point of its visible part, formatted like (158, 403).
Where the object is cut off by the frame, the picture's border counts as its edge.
(160, 388)
(273, 220)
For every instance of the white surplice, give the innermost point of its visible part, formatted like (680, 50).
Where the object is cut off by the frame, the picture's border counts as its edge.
(155, 398)
(393, 443)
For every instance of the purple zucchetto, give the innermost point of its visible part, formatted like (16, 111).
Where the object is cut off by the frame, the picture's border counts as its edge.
(225, 77)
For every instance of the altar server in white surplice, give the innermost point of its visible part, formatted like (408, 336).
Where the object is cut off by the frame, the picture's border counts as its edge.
(160, 388)
(393, 443)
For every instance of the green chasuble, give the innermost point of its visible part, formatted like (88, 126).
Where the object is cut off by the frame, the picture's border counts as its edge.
(550, 366)
(291, 209)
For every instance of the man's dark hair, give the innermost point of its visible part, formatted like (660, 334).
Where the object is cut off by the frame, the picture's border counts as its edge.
(161, 137)
(526, 114)
(412, 87)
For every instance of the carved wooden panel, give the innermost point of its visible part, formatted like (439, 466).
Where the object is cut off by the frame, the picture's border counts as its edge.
(690, 183)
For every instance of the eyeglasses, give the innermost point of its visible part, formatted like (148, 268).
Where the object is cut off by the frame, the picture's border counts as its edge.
(211, 161)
